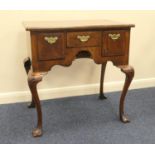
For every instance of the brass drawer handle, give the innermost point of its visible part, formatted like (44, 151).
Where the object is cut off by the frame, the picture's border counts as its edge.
(114, 36)
(51, 40)
(83, 38)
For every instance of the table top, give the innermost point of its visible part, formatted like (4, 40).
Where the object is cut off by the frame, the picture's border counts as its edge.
(38, 25)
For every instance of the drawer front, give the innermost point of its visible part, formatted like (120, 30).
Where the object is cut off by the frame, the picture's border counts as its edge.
(83, 39)
(50, 46)
(115, 43)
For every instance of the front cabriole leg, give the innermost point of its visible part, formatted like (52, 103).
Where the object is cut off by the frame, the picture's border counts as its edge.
(33, 80)
(129, 72)
(27, 66)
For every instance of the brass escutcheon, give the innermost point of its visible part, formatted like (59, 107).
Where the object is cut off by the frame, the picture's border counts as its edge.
(114, 36)
(83, 38)
(51, 40)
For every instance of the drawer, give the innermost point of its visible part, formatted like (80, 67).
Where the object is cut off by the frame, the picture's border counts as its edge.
(83, 39)
(115, 43)
(50, 46)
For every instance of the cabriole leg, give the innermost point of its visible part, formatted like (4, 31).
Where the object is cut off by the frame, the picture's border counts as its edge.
(33, 80)
(129, 73)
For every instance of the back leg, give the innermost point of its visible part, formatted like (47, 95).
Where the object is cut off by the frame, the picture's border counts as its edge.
(101, 95)
(27, 66)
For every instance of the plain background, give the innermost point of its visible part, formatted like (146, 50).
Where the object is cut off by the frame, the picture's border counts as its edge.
(84, 74)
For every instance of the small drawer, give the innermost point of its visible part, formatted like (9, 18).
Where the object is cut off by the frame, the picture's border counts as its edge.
(50, 46)
(115, 43)
(83, 39)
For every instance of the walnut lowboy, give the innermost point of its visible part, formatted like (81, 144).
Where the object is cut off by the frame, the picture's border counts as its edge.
(59, 43)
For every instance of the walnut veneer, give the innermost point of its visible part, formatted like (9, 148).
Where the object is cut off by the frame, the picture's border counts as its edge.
(60, 43)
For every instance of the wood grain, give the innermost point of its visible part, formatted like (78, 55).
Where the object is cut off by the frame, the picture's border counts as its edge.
(100, 47)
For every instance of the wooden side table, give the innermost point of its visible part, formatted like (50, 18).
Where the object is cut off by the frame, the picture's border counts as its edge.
(61, 42)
